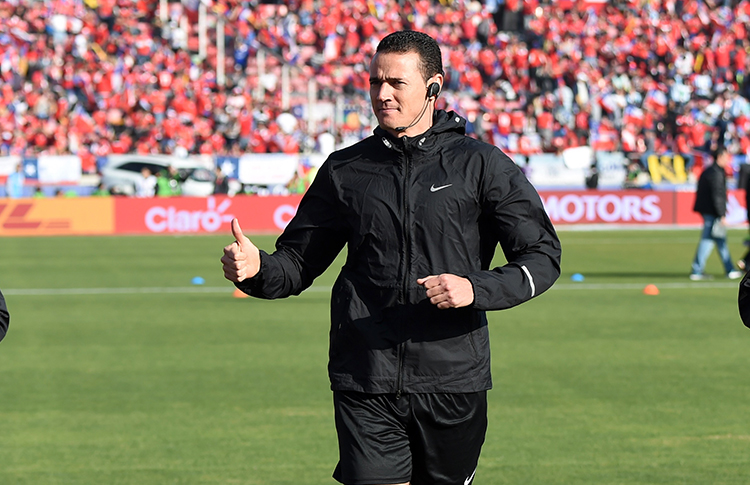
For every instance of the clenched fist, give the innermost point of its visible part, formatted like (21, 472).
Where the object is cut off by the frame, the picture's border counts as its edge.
(448, 290)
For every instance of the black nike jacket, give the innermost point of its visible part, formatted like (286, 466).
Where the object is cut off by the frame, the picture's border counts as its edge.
(407, 208)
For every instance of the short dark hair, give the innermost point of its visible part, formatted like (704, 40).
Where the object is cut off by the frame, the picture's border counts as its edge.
(719, 150)
(404, 41)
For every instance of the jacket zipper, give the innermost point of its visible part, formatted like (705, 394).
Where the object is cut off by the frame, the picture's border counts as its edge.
(407, 264)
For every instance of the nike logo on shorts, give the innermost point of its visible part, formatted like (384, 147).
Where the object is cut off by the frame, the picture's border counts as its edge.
(435, 189)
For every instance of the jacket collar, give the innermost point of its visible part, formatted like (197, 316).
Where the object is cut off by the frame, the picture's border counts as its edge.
(443, 122)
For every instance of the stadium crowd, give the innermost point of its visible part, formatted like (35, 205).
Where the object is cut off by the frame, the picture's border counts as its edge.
(100, 77)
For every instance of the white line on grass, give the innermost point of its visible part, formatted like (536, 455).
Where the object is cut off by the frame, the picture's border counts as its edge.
(602, 242)
(116, 291)
(639, 286)
(327, 289)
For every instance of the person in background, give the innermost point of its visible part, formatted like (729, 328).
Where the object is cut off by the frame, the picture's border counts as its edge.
(166, 184)
(68, 194)
(4, 317)
(221, 183)
(146, 186)
(592, 177)
(298, 183)
(176, 180)
(14, 183)
(636, 177)
(38, 193)
(101, 191)
(711, 203)
(421, 207)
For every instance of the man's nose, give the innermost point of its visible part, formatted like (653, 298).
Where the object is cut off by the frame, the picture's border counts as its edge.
(383, 92)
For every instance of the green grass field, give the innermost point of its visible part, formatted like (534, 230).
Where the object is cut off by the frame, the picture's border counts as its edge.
(117, 370)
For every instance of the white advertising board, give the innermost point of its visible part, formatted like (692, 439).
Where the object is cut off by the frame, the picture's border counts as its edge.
(55, 169)
(267, 169)
(8, 165)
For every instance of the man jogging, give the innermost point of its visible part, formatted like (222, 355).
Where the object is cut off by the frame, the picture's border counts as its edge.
(421, 208)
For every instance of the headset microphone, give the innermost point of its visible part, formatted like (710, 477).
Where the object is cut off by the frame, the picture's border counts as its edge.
(432, 91)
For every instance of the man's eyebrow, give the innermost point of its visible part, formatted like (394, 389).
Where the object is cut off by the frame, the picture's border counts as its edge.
(385, 79)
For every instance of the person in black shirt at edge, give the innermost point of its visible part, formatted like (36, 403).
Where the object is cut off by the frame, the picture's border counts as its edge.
(744, 184)
(421, 207)
(743, 300)
(4, 317)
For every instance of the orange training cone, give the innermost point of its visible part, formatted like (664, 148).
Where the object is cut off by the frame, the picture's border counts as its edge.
(651, 290)
(239, 293)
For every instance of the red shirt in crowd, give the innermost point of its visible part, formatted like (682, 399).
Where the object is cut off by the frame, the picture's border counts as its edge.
(545, 120)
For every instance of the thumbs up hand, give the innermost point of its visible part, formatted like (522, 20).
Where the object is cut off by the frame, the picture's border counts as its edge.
(241, 259)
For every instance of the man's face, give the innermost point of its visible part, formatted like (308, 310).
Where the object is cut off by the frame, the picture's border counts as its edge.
(398, 92)
(724, 159)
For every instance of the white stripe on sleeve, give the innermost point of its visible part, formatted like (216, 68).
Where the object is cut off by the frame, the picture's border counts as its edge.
(531, 280)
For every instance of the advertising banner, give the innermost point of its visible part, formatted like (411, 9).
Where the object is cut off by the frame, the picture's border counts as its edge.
(230, 166)
(614, 207)
(667, 168)
(56, 217)
(270, 215)
(267, 169)
(56, 169)
(736, 212)
(612, 169)
(198, 215)
(8, 166)
(549, 170)
(684, 209)
(570, 170)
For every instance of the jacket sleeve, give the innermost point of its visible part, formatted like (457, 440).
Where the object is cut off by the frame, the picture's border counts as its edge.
(4, 317)
(718, 192)
(515, 217)
(308, 245)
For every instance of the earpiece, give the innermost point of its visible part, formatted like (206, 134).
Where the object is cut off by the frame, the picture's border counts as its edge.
(433, 90)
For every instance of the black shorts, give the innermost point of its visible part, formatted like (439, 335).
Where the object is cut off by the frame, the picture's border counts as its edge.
(424, 439)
